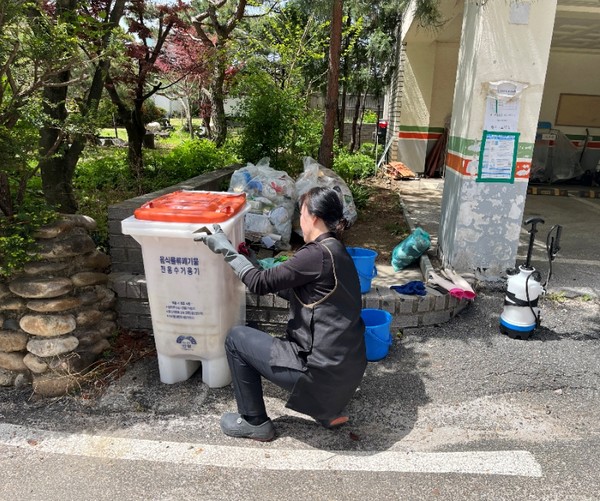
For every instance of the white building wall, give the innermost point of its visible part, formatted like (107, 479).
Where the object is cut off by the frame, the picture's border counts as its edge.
(418, 83)
(444, 78)
(569, 73)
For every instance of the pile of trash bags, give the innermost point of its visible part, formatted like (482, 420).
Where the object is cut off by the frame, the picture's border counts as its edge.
(315, 174)
(273, 198)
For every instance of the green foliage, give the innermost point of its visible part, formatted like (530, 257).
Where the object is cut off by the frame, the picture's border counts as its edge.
(371, 150)
(291, 46)
(396, 229)
(558, 297)
(274, 123)
(107, 112)
(151, 112)
(369, 117)
(360, 194)
(17, 245)
(353, 166)
(102, 169)
(103, 177)
(308, 130)
(191, 158)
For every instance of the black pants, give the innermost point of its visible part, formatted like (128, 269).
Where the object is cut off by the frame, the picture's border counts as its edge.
(248, 354)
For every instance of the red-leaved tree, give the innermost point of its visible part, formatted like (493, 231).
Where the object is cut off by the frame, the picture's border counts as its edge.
(185, 66)
(150, 25)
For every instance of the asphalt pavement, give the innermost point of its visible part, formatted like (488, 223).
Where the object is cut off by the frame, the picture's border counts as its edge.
(455, 411)
(576, 266)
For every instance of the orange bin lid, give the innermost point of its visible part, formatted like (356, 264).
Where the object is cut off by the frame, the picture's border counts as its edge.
(192, 207)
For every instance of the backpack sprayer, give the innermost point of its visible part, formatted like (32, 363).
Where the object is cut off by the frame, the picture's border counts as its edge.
(521, 314)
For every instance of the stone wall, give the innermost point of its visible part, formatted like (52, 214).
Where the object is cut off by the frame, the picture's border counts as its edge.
(57, 314)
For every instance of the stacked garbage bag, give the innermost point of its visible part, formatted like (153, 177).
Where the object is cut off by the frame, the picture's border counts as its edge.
(273, 198)
(316, 175)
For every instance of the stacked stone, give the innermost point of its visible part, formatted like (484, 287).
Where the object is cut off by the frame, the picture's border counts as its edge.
(57, 314)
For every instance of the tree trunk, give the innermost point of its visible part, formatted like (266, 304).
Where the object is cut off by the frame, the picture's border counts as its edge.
(185, 104)
(57, 182)
(341, 113)
(342, 108)
(56, 172)
(362, 115)
(217, 99)
(56, 175)
(58, 157)
(326, 147)
(354, 144)
(136, 131)
(6, 203)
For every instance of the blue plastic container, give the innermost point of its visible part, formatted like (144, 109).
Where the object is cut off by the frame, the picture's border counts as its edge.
(364, 261)
(378, 337)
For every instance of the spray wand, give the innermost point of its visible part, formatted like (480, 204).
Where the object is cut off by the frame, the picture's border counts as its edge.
(552, 247)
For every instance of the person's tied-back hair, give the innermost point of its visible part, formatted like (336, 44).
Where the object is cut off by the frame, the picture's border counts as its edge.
(326, 204)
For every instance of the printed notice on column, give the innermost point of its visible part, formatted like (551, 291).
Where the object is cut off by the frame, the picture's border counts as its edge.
(502, 106)
(498, 157)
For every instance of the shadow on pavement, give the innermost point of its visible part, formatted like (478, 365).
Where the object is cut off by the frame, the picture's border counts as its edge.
(383, 411)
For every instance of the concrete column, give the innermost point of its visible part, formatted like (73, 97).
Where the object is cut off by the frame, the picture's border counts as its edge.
(483, 200)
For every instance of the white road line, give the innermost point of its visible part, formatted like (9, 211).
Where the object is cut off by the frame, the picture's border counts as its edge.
(518, 463)
(584, 201)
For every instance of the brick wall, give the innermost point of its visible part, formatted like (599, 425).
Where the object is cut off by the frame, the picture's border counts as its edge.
(125, 252)
(269, 312)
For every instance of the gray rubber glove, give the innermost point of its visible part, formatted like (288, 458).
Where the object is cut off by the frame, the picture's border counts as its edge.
(220, 244)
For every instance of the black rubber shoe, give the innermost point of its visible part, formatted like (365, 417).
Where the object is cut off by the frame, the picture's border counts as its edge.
(234, 425)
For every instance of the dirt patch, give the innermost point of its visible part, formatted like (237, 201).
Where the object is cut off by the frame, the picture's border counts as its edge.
(127, 348)
(381, 224)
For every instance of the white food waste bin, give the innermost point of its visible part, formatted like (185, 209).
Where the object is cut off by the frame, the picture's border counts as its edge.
(194, 296)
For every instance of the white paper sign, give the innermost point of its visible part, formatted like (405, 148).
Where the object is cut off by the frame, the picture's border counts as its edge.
(501, 115)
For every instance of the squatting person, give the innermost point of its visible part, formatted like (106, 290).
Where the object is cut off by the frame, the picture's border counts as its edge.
(322, 359)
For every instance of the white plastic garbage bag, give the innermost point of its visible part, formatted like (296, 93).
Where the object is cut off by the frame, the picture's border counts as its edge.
(272, 197)
(316, 175)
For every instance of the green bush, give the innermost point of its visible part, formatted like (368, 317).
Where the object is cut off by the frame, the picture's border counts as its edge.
(103, 177)
(267, 114)
(369, 117)
(308, 131)
(17, 245)
(151, 112)
(353, 166)
(103, 168)
(107, 113)
(277, 124)
(371, 150)
(360, 194)
(189, 159)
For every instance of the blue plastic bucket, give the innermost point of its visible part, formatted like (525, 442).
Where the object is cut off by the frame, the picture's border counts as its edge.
(364, 261)
(378, 337)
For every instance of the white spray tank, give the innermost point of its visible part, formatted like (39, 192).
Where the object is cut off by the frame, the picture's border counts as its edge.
(521, 314)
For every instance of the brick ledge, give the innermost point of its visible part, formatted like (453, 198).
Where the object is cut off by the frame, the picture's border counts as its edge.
(270, 312)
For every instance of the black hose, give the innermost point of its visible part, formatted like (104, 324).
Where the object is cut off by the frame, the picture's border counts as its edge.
(552, 248)
(538, 320)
